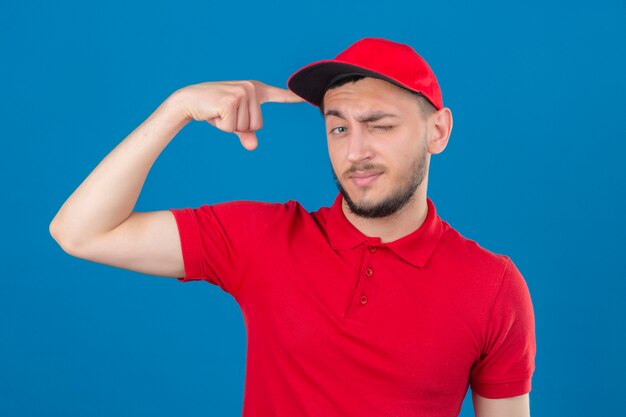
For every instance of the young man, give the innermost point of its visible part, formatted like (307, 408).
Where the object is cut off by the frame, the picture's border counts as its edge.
(374, 306)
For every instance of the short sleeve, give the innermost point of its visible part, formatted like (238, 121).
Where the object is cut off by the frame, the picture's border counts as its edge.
(507, 363)
(217, 240)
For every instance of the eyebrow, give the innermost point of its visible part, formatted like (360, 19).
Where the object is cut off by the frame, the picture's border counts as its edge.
(371, 117)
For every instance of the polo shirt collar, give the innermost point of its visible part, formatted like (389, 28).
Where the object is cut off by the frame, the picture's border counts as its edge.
(415, 248)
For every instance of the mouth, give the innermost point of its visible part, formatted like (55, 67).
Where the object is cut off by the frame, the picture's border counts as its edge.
(362, 179)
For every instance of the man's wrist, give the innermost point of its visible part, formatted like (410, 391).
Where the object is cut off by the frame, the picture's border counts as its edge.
(175, 108)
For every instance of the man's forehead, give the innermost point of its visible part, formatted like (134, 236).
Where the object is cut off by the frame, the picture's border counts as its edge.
(367, 95)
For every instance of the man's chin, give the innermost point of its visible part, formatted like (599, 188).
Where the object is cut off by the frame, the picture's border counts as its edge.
(370, 206)
(358, 197)
(363, 200)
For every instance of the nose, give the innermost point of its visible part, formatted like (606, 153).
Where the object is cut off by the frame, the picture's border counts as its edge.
(359, 147)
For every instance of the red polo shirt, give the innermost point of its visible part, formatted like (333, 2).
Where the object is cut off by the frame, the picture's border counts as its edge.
(340, 324)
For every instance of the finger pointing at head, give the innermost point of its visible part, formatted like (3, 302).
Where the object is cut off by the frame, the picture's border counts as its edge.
(276, 94)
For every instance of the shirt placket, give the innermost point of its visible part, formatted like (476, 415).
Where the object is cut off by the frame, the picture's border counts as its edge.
(363, 296)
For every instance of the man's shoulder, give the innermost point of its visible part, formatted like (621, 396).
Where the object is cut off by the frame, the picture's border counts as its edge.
(469, 253)
(278, 211)
(255, 204)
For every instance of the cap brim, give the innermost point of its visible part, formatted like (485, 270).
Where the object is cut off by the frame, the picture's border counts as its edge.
(311, 81)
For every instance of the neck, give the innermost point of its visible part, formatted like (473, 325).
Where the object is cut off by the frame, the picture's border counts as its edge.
(403, 222)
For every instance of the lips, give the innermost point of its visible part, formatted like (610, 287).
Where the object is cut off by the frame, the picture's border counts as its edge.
(364, 178)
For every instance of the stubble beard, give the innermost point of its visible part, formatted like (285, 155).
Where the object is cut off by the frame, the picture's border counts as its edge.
(397, 200)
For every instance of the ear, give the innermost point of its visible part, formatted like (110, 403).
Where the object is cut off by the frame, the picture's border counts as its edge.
(439, 129)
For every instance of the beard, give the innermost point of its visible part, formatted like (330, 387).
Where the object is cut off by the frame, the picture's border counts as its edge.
(399, 198)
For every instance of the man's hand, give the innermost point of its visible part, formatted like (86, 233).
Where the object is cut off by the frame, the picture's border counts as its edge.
(231, 106)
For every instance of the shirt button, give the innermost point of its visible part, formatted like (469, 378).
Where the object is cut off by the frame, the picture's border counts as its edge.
(363, 299)
(369, 272)
(372, 248)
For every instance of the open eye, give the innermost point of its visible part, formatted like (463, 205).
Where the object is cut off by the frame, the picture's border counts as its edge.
(332, 131)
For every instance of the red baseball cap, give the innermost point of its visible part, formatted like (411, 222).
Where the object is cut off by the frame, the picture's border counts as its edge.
(380, 58)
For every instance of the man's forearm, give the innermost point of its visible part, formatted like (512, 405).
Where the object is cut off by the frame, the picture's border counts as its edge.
(108, 195)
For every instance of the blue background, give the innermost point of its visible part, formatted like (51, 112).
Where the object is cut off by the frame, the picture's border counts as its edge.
(534, 169)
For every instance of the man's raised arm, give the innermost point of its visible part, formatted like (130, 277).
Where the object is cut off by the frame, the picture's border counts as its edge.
(518, 406)
(97, 221)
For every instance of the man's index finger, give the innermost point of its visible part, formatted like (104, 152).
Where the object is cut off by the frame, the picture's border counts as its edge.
(277, 94)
